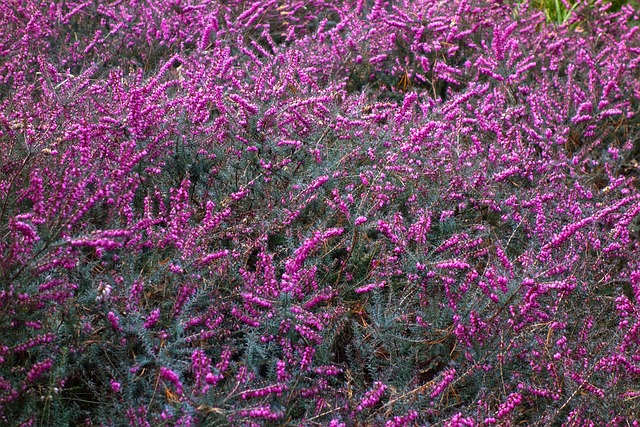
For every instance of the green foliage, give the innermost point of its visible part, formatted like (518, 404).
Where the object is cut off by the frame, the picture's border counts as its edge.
(560, 12)
(556, 11)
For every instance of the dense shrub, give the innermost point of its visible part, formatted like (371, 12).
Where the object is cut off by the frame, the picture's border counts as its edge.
(310, 213)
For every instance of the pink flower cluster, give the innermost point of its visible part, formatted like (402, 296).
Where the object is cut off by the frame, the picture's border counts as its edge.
(371, 397)
(273, 208)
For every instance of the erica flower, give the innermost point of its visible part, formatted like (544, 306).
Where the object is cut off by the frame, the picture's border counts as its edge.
(372, 396)
(173, 378)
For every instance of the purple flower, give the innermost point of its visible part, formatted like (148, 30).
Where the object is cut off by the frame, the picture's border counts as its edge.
(173, 378)
(114, 320)
(372, 396)
(38, 370)
(152, 319)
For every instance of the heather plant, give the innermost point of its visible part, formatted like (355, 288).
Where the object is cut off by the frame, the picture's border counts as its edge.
(310, 213)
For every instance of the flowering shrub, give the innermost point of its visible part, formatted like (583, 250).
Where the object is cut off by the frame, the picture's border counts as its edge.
(310, 213)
